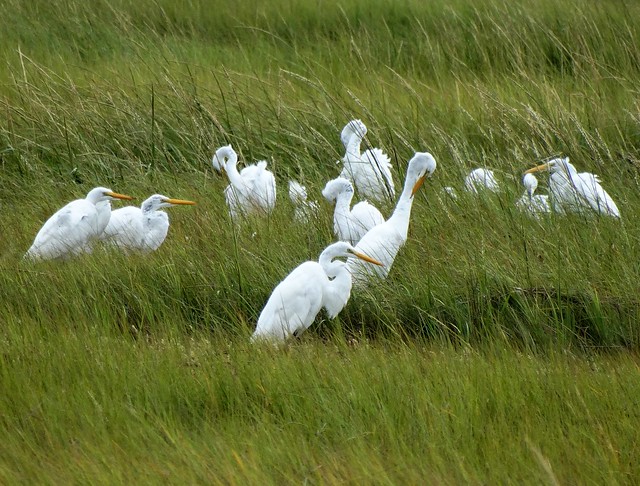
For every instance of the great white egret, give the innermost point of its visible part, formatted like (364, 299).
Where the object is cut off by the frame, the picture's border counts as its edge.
(534, 204)
(481, 179)
(571, 191)
(305, 210)
(253, 190)
(370, 171)
(383, 242)
(71, 229)
(350, 224)
(141, 228)
(296, 301)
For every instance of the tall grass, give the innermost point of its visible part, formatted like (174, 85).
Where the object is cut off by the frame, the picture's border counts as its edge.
(491, 352)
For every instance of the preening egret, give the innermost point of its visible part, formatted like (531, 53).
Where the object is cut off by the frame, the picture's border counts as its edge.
(571, 191)
(305, 210)
(370, 171)
(253, 190)
(350, 224)
(141, 229)
(71, 229)
(534, 204)
(296, 301)
(384, 241)
(480, 179)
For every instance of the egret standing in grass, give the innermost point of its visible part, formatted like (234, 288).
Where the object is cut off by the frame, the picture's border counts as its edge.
(573, 192)
(350, 224)
(253, 190)
(534, 204)
(370, 171)
(72, 229)
(383, 242)
(296, 301)
(141, 228)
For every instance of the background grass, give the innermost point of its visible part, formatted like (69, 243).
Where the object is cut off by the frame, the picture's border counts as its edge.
(500, 348)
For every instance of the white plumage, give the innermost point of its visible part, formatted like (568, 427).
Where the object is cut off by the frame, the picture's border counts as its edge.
(573, 192)
(253, 190)
(481, 179)
(385, 240)
(296, 301)
(369, 171)
(141, 228)
(350, 224)
(305, 210)
(534, 204)
(72, 229)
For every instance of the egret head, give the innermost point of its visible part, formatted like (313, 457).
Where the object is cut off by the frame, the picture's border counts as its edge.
(354, 127)
(421, 166)
(158, 201)
(297, 192)
(336, 187)
(99, 194)
(344, 249)
(220, 158)
(530, 183)
(554, 166)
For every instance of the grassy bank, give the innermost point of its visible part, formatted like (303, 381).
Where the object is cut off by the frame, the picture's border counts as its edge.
(499, 347)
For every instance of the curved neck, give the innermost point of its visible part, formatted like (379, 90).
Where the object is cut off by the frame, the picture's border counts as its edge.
(402, 212)
(231, 169)
(343, 202)
(353, 146)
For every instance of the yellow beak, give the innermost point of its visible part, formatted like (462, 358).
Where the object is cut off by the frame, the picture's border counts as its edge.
(418, 184)
(366, 258)
(180, 201)
(119, 196)
(537, 168)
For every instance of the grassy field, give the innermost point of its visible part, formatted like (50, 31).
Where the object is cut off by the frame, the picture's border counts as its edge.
(500, 349)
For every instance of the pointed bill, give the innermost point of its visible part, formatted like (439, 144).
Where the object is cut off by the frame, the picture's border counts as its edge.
(537, 168)
(118, 196)
(180, 201)
(366, 258)
(418, 184)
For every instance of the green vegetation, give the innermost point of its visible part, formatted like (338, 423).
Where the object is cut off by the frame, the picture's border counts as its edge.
(501, 349)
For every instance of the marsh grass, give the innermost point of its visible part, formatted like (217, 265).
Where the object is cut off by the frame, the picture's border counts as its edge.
(501, 348)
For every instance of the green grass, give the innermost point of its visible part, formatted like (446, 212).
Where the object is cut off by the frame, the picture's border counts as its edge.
(500, 349)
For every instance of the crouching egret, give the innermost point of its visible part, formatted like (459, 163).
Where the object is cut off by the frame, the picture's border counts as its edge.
(305, 210)
(481, 179)
(350, 224)
(72, 229)
(296, 301)
(253, 190)
(141, 229)
(369, 171)
(571, 191)
(534, 204)
(383, 242)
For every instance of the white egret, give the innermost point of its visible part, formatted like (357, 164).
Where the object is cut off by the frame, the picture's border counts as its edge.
(383, 242)
(305, 210)
(350, 224)
(370, 171)
(571, 191)
(481, 179)
(71, 229)
(141, 228)
(253, 190)
(296, 301)
(534, 204)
